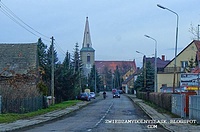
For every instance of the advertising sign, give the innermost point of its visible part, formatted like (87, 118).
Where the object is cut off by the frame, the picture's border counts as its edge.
(189, 80)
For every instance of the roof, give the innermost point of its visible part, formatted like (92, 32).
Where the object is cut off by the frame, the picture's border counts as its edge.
(112, 65)
(129, 79)
(87, 39)
(196, 42)
(17, 58)
(160, 63)
(88, 49)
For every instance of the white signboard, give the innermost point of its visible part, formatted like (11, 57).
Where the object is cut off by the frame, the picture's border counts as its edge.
(189, 79)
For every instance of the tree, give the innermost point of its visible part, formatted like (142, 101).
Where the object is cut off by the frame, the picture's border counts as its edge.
(42, 53)
(76, 60)
(42, 60)
(107, 75)
(117, 78)
(94, 76)
(139, 83)
(77, 67)
(192, 64)
(194, 31)
(150, 77)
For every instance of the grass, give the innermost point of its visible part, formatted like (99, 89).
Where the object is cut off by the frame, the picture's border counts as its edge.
(11, 117)
(161, 110)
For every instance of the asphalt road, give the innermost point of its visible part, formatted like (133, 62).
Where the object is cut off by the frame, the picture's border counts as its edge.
(109, 115)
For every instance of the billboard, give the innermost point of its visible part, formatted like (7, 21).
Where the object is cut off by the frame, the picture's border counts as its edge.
(189, 80)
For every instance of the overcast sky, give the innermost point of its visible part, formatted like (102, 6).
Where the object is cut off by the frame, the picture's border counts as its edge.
(117, 27)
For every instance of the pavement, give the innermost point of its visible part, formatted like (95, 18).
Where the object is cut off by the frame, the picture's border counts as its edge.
(168, 122)
(164, 119)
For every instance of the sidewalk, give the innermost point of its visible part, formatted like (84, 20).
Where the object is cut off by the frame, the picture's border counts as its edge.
(154, 115)
(40, 119)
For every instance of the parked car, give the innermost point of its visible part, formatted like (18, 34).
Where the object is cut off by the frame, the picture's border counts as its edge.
(84, 96)
(120, 91)
(116, 95)
(92, 94)
(114, 90)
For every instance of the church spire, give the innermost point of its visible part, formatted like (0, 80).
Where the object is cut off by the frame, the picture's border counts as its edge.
(87, 39)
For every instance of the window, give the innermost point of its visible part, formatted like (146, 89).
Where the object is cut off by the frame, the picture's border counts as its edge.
(184, 64)
(88, 58)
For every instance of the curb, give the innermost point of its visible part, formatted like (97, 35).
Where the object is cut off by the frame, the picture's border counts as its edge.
(165, 127)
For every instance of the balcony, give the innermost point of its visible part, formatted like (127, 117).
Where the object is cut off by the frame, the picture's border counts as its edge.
(171, 70)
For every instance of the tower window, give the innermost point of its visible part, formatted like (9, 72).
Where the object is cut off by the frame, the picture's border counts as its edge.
(88, 58)
(88, 45)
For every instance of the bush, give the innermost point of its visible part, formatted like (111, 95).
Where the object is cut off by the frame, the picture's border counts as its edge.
(162, 100)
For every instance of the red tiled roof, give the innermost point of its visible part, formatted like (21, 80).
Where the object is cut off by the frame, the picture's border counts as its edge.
(100, 65)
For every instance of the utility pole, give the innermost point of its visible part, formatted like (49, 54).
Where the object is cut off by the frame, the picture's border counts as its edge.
(52, 70)
(145, 73)
(95, 80)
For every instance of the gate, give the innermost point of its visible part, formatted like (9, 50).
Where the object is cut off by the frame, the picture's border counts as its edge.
(179, 105)
(194, 107)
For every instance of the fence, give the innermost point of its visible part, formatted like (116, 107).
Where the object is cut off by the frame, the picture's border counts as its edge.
(21, 105)
(194, 107)
(179, 105)
(0, 103)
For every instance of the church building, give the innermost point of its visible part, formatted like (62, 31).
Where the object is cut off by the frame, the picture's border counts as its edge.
(87, 53)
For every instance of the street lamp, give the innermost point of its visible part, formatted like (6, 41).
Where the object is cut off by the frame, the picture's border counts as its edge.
(144, 68)
(95, 80)
(155, 66)
(162, 7)
(198, 32)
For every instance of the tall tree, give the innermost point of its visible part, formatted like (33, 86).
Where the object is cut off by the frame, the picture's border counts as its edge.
(117, 78)
(94, 76)
(77, 67)
(139, 83)
(107, 78)
(76, 60)
(42, 58)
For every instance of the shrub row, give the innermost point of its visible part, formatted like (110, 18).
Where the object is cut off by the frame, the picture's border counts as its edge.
(162, 100)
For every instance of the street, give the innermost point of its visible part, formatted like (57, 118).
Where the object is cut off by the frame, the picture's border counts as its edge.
(102, 115)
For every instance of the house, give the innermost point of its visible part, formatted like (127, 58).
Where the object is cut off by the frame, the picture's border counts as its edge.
(125, 67)
(166, 76)
(18, 70)
(129, 77)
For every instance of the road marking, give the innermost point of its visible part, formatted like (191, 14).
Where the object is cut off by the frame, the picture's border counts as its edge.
(104, 115)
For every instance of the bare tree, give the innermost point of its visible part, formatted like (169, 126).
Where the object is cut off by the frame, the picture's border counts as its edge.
(194, 31)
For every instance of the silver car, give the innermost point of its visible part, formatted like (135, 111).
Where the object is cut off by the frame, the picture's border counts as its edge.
(92, 94)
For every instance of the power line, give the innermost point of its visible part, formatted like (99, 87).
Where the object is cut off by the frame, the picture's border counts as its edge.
(61, 50)
(19, 21)
(10, 14)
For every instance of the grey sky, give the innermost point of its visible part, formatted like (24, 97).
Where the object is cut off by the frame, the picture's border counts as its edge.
(117, 26)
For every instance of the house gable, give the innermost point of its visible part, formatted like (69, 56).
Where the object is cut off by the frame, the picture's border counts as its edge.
(17, 58)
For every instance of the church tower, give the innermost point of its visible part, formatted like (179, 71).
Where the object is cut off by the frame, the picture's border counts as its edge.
(87, 53)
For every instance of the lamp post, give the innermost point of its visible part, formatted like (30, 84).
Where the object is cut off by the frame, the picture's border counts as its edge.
(198, 32)
(162, 7)
(95, 80)
(144, 68)
(155, 65)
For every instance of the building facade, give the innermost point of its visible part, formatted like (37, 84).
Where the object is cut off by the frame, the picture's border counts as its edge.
(183, 60)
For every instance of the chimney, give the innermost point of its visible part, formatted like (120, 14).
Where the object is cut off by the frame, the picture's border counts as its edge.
(163, 57)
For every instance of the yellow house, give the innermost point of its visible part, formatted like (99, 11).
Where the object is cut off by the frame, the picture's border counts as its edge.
(165, 77)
